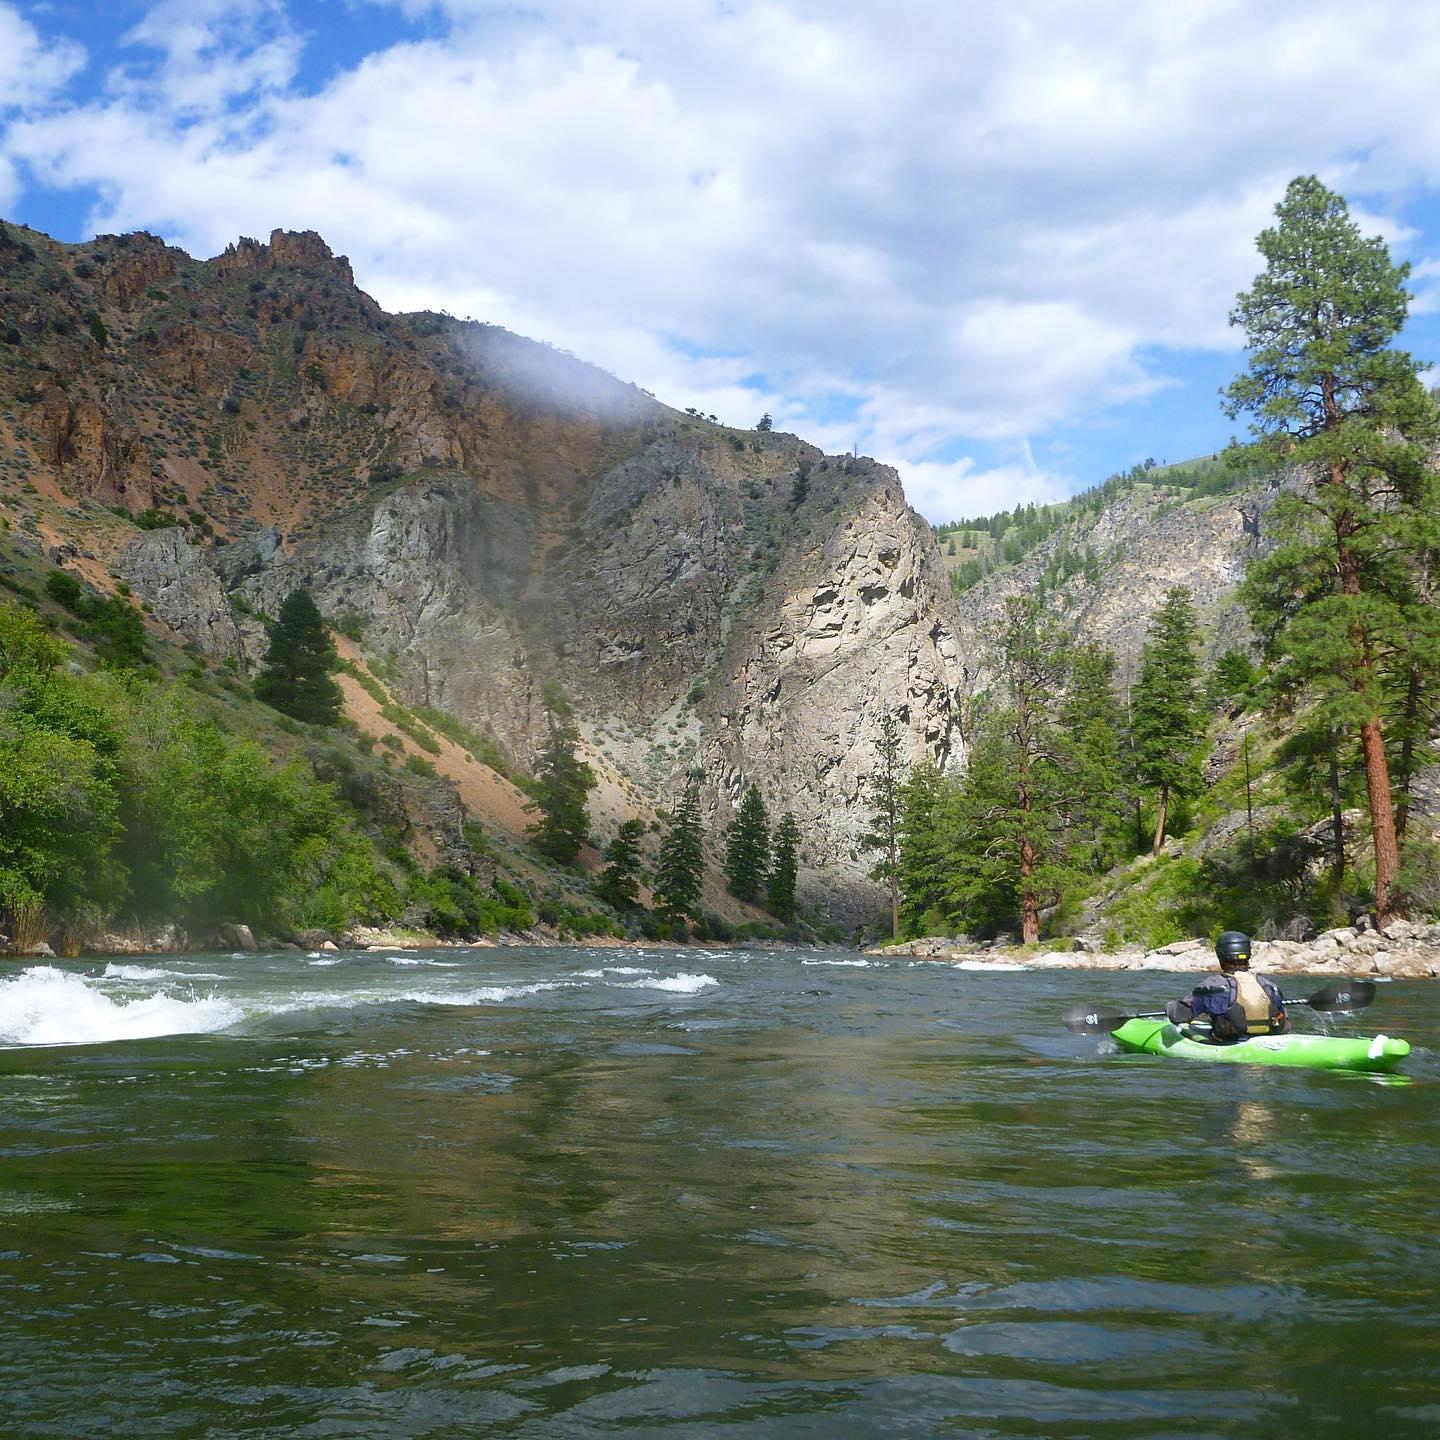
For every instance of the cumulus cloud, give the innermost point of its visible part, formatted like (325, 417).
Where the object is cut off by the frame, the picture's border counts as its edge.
(956, 227)
(32, 68)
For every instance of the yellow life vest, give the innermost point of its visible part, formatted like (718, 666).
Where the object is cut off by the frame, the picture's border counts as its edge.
(1251, 996)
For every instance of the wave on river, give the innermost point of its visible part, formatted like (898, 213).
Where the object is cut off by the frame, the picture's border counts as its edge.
(46, 1006)
(49, 1005)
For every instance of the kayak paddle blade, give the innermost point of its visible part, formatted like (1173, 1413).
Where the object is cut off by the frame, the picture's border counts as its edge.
(1090, 1020)
(1346, 994)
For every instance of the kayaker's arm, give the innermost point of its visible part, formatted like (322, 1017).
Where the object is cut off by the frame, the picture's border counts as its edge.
(1212, 996)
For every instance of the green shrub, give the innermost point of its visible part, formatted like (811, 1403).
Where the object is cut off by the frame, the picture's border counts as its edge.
(454, 905)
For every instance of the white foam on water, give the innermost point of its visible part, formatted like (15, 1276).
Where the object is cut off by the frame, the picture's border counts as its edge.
(423, 960)
(135, 972)
(675, 984)
(485, 995)
(855, 964)
(614, 970)
(46, 1006)
(322, 962)
(151, 972)
(987, 965)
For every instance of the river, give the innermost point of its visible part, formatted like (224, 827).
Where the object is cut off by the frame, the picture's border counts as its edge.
(592, 1192)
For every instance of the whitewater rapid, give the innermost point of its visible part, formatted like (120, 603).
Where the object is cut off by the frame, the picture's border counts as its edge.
(51, 1005)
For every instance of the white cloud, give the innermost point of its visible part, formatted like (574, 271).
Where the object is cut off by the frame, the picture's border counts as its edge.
(963, 490)
(213, 53)
(31, 68)
(975, 224)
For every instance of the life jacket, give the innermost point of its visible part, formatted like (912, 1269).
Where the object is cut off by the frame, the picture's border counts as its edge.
(1261, 1014)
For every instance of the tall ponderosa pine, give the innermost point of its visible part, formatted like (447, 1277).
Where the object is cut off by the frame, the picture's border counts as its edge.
(297, 677)
(747, 848)
(884, 832)
(784, 868)
(563, 782)
(680, 862)
(1013, 824)
(619, 882)
(1339, 603)
(1166, 718)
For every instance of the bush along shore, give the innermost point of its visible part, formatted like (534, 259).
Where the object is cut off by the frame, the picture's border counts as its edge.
(1403, 950)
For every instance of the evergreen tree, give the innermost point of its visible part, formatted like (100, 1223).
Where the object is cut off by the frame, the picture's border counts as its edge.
(800, 488)
(924, 852)
(1330, 396)
(297, 675)
(747, 848)
(1232, 681)
(884, 832)
(619, 882)
(1166, 719)
(1090, 715)
(680, 862)
(563, 783)
(765, 423)
(1014, 812)
(784, 868)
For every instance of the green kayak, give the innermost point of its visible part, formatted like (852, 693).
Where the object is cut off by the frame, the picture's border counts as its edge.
(1376, 1054)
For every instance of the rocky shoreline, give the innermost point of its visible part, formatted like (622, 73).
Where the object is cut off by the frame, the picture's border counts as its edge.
(172, 940)
(1404, 950)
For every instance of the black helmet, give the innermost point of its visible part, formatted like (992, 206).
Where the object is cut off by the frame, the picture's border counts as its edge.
(1233, 948)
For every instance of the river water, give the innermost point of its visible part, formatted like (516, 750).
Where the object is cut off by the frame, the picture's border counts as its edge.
(582, 1193)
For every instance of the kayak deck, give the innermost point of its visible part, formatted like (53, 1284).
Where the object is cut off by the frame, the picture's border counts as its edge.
(1378, 1054)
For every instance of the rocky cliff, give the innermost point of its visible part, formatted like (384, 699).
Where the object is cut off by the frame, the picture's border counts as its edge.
(495, 520)
(1147, 540)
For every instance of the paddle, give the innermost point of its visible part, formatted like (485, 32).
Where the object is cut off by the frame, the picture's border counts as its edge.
(1347, 994)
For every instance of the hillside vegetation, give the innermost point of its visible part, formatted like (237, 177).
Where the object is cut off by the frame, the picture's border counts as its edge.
(148, 798)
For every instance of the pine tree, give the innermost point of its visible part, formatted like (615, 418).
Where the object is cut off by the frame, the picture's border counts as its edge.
(784, 868)
(680, 862)
(1166, 719)
(1337, 601)
(1090, 715)
(563, 783)
(800, 487)
(298, 669)
(924, 851)
(884, 832)
(619, 882)
(747, 848)
(765, 423)
(1014, 812)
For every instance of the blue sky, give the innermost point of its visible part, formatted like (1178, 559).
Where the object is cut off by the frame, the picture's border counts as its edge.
(994, 246)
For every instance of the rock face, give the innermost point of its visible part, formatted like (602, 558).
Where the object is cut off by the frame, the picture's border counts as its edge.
(675, 653)
(1147, 543)
(868, 632)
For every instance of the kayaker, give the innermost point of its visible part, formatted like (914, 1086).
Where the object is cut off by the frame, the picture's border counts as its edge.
(1237, 1003)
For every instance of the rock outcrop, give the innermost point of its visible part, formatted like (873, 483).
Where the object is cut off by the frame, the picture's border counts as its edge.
(1147, 543)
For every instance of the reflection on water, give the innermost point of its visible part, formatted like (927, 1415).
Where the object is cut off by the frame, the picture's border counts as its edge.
(546, 1194)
